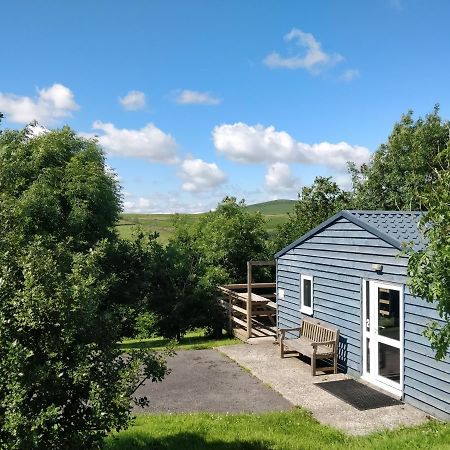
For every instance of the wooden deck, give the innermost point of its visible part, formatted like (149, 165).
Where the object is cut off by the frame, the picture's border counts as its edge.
(251, 307)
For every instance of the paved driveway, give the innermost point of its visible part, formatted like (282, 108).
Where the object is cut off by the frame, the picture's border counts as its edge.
(206, 380)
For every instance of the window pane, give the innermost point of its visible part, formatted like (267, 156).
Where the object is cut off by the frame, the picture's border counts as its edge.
(389, 313)
(367, 306)
(389, 362)
(307, 293)
(367, 355)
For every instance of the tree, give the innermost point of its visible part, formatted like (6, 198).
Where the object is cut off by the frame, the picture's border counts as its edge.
(63, 381)
(315, 204)
(183, 286)
(429, 269)
(182, 295)
(230, 236)
(405, 167)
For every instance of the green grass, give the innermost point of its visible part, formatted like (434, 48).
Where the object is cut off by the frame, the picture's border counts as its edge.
(194, 340)
(274, 207)
(274, 431)
(275, 212)
(162, 223)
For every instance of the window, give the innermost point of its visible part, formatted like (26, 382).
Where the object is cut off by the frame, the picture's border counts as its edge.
(306, 294)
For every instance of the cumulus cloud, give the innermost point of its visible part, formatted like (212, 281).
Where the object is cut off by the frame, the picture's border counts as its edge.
(148, 142)
(279, 178)
(188, 97)
(137, 204)
(313, 58)
(49, 106)
(133, 101)
(168, 203)
(349, 75)
(257, 144)
(199, 175)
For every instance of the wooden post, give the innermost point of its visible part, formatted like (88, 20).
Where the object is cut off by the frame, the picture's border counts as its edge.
(249, 299)
(230, 315)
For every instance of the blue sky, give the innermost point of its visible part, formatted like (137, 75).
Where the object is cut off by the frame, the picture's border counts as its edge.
(194, 100)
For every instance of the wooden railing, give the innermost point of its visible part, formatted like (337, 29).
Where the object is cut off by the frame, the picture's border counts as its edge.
(250, 314)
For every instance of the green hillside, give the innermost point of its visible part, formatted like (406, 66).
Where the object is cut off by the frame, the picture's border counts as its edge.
(274, 211)
(274, 207)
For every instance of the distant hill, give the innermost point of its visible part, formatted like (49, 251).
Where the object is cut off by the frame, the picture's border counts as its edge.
(275, 212)
(274, 207)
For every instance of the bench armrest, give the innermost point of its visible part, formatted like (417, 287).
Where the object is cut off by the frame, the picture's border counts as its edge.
(282, 331)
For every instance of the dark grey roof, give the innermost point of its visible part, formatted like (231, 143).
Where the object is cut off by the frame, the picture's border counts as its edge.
(395, 227)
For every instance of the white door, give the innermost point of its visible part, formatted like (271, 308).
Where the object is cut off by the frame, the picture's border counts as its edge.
(383, 335)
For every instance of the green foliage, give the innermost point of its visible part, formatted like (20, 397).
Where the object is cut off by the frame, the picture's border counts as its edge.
(182, 276)
(181, 292)
(145, 325)
(429, 269)
(229, 237)
(315, 204)
(404, 168)
(63, 381)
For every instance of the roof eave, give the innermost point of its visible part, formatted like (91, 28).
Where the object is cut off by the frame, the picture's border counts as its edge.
(352, 218)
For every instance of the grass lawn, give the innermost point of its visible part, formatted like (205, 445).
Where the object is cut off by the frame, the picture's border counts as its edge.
(194, 340)
(273, 431)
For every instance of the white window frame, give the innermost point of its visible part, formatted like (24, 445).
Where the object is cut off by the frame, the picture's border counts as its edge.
(306, 309)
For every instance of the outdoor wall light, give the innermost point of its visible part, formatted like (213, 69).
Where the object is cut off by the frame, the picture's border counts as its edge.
(377, 267)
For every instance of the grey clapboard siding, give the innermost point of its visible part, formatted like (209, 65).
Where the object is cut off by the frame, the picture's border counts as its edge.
(339, 257)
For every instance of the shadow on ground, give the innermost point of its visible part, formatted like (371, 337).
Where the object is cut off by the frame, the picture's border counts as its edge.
(181, 441)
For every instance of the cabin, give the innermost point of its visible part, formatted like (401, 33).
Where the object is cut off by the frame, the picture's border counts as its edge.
(350, 272)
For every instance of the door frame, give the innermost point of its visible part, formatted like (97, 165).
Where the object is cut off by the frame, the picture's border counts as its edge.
(373, 377)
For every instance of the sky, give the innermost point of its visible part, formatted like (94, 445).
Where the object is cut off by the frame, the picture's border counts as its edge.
(195, 100)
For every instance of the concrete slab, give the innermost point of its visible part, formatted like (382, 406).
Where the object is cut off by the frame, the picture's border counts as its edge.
(292, 378)
(206, 380)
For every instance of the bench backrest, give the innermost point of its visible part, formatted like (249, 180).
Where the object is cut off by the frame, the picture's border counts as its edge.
(318, 331)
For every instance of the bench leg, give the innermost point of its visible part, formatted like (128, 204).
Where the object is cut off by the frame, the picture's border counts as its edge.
(281, 348)
(313, 365)
(335, 363)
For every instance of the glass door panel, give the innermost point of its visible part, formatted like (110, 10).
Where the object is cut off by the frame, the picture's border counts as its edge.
(389, 313)
(389, 362)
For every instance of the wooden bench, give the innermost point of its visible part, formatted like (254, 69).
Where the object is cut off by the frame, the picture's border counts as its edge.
(317, 340)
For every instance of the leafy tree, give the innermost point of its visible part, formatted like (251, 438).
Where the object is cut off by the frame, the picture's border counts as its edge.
(181, 295)
(429, 269)
(315, 204)
(405, 167)
(185, 273)
(63, 381)
(230, 236)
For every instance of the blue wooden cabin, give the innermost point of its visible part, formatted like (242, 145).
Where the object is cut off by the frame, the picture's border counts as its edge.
(349, 272)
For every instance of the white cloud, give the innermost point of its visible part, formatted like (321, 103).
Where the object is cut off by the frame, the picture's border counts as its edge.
(199, 175)
(343, 180)
(188, 97)
(134, 204)
(256, 144)
(49, 106)
(349, 75)
(279, 178)
(169, 203)
(149, 142)
(314, 59)
(133, 101)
